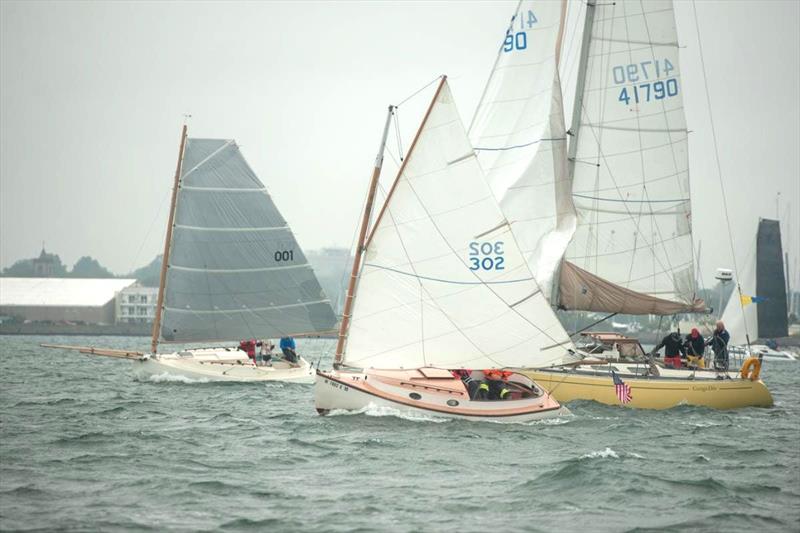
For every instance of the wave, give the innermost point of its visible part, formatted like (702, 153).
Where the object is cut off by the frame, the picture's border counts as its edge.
(168, 378)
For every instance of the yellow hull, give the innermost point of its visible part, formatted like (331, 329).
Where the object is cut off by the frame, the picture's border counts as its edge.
(654, 393)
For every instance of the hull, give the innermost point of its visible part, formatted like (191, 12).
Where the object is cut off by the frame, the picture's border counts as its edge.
(655, 393)
(413, 393)
(220, 365)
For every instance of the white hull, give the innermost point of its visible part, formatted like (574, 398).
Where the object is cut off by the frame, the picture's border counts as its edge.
(220, 364)
(766, 353)
(331, 394)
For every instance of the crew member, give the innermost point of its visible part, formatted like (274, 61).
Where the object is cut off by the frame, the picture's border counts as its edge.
(473, 385)
(266, 352)
(288, 347)
(719, 344)
(695, 346)
(673, 348)
(248, 346)
(498, 386)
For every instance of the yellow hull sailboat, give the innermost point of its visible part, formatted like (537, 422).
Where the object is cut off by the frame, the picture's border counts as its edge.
(654, 393)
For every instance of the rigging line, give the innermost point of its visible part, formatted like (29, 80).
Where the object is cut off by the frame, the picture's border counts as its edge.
(452, 282)
(502, 148)
(150, 229)
(630, 201)
(396, 114)
(719, 170)
(415, 93)
(593, 324)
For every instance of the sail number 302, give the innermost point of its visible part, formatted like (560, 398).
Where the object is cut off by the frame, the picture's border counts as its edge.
(286, 255)
(486, 255)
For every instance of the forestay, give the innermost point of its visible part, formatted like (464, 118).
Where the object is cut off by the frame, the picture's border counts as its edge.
(519, 135)
(633, 244)
(235, 269)
(443, 282)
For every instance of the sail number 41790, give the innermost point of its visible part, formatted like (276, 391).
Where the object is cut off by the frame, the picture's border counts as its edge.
(486, 255)
(645, 81)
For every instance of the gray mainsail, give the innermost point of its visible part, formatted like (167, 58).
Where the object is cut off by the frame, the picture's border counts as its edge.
(235, 269)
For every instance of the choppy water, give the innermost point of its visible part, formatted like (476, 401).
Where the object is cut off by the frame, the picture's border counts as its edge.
(83, 446)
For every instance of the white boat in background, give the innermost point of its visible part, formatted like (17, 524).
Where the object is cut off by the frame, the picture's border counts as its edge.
(757, 307)
(232, 270)
(443, 289)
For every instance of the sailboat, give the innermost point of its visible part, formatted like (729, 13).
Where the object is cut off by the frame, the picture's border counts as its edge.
(232, 270)
(758, 307)
(440, 288)
(602, 211)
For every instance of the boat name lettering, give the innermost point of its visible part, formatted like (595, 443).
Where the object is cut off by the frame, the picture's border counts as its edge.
(337, 385)
(486, 255)
(704, 388)
(519, 40)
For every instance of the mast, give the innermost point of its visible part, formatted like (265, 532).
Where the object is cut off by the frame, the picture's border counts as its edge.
(167, 242)
(580, 83)
(373, 186)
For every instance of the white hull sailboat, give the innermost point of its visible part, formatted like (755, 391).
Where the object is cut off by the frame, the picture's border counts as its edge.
(232, 271)
(430, 392)
(445, 299)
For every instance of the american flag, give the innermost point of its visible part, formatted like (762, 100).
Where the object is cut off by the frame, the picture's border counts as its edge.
(622, 389)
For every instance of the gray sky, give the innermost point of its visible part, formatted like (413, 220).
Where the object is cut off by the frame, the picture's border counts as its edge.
(92, 96)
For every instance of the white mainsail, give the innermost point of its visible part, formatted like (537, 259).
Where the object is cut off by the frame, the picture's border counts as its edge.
(235, 269)
(519, 135)
(741, 320)
(632, 250)
(443, 281)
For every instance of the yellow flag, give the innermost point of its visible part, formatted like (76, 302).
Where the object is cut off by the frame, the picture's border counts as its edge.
(746, 299)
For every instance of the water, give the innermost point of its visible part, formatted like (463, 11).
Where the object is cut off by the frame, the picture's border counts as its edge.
(83, 446)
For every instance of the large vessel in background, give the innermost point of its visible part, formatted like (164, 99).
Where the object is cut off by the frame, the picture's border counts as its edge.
(232, 270)
(602, 211)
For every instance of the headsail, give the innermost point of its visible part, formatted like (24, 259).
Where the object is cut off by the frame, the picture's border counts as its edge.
(632, 251)
(519, 135)
(762, 314)
(443, 281)
(235, 270)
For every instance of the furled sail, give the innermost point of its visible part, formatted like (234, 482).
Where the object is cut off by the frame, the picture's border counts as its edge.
(632, 250)
(443, 281)
(519, 135)
(763, 313)
(235, 270)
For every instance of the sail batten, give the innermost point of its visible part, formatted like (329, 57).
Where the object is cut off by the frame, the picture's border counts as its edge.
(235, 269)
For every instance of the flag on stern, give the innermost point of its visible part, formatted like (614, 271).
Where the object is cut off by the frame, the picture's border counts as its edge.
(622, 389)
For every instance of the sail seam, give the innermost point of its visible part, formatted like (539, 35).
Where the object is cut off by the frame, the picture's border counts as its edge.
(247, 310)
(452, 282)
(243, 229)
(224, 189)
(207, 159)
(237, 270)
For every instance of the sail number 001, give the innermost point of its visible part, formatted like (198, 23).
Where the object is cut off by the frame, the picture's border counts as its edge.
(486, 255)
(286, 255)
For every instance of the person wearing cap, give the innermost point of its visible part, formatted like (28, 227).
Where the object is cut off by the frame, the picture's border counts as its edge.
(719, 343)
(673, 348)
(695, 346)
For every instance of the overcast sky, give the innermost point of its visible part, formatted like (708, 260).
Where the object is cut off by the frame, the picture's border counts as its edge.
(93, 95)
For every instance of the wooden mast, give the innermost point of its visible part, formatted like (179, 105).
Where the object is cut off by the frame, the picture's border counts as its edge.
(373, 187)
(167, 242)
(363, 241)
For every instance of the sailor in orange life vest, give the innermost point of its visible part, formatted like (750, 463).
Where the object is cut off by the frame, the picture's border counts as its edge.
(498, 386)
(673, 349)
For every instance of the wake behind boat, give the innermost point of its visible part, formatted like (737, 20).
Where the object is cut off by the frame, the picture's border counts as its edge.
(232, 270)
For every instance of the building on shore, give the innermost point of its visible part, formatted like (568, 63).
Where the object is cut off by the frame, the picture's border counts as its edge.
(60, 300)
(136, 304)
